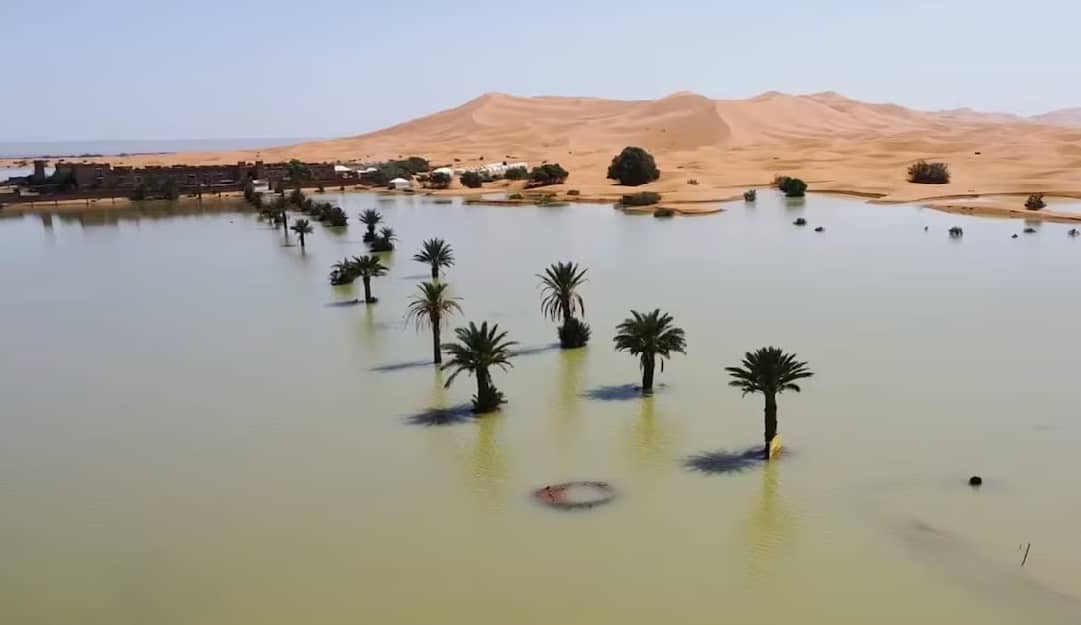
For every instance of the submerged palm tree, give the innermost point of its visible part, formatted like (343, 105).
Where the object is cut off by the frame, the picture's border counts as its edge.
(370, 218)
(366, 268)
(342, 272)
(430, 308)
(476, 352)
(302, 227)
(769, 371)
(384, 242)
(560, 301)
(437, 253)
(648, 336)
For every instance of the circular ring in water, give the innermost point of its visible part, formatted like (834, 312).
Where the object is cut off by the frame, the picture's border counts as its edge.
(575, 495)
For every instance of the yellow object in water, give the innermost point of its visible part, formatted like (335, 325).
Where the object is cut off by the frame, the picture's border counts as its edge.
(775, 447)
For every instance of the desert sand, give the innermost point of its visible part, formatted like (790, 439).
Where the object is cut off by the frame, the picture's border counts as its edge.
(836, 144)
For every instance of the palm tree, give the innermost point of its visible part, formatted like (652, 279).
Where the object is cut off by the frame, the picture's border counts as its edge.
(430, 308)
(302, 227)
(343, 272)
(437, 253)
(279, 205)
(769, 371)
(384, 242)
(560, 301)
(477, 351)
(370, 218)
(648, 336)
(366, 268)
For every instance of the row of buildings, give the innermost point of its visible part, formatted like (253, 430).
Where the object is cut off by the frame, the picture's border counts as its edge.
(81, 177)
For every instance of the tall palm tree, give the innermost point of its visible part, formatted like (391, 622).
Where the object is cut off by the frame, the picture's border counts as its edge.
(560, 301)
(366, 268)
(437, 253)
(430, 308)
(370, 218)
(476, 352)
(648, 336)
(302, 227)
(769, 371)
(279, 205)
(342, 272)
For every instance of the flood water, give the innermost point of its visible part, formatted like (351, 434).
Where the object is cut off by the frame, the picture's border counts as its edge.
(192, 434)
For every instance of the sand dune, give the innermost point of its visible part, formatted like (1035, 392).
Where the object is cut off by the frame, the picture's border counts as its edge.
(833, 142)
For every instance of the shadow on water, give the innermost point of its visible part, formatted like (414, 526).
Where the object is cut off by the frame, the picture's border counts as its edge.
(619, 392)
(402, 366)
(532, 351)
(343, 304)
(454, 415)
(724, 462)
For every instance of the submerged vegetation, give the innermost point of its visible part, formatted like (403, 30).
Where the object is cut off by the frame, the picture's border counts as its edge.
(642, 198)
(477, 351)
(1035, 202)
(430, 308)
(302, 227)
(649, 336)
(793, 187)
(435, 253)
(384, 241)
(768, 371)
(750, 195)
(370, 218)
(561, 301)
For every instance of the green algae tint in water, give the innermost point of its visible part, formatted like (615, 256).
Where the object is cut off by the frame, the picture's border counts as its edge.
(190, 434)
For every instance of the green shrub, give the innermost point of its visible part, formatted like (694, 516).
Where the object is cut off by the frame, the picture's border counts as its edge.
(516, 173)
(662, 211)
(778, 181)
(750, 195)
(549, 173)
(439, 180)
(633, 166)
(1035, 202)
(644, 198)
(923, 172)
(693, 181)
(471, 179)
(515, 196)
(336, 217)
(574, 192)
(574, 333)
(794, 187)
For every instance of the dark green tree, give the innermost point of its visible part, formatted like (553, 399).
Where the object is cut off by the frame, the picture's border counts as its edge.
(477, 351)
(302, 227)
(471, 179)
(633, 166)
(561, 301)
(384, 242)
(793, 187)
(343, 272)
(769, 371)
(298, 172)
(370, 218)
(436, 253)
(439, 180)
(647, 336)
(430, 308)
(366, 268)
(549, 173)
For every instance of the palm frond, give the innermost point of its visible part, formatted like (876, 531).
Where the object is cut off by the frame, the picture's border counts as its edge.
(432, 305)
(768, 370)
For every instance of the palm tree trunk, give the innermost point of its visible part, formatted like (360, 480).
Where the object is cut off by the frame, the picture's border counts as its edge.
(437, 353)
(771, 422)
(648, 364)
(285, 224)
(302, 241)
(435, 272)
(484, 392)
(367, 289)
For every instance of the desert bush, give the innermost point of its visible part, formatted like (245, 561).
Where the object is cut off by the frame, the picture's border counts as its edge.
(336, 217)
(515, 196)
(779, 181)
(550, 173)
(644, 198)
(923, 172)
(439, 180)
(574, 192)
(750, 195)
(662, 211)
(471, 179)
(1035, 202)
(633, 166)
(516, 173)
(693, 181)
(794, 187)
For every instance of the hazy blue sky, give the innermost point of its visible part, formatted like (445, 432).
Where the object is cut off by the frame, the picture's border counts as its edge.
(127, 69)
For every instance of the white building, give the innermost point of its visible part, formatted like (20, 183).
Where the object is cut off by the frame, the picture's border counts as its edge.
(400, 183)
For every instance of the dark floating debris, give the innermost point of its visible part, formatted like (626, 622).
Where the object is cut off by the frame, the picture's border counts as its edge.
(575, 495)
(975, 480)
(819, 229)
(956, 232)
(800, 222)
